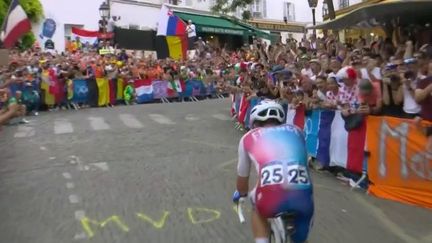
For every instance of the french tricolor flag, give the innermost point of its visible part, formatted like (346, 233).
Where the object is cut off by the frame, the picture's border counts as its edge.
(331, 144)
(144, 90)
(15, 25)
(347, 147)
(296, 116)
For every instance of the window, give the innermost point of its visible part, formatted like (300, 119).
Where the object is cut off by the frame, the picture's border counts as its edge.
(259, 9)
(289, 11)
(173, 2)
(343, 4)
(325, 9)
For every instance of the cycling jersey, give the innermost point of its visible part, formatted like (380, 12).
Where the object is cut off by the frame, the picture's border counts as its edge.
(284, 185)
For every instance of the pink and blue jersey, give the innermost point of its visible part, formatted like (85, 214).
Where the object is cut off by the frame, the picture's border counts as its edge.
(280, 159)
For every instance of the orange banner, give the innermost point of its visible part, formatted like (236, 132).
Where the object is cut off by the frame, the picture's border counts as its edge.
(399, 167)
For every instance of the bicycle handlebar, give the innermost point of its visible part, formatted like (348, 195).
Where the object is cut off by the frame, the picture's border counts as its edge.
(240, 210)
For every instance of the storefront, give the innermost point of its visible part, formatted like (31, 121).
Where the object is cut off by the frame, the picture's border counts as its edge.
(222, 31)
(281, 29)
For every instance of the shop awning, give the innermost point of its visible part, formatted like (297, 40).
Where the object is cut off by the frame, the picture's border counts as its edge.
(213, 24)
(257, 32)
(408, 11)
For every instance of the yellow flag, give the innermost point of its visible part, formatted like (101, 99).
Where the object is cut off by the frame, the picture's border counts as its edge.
(104, 95)
(175, 47)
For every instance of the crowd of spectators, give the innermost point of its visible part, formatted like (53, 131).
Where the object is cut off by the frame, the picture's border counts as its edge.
(380, 78)
(359, 78)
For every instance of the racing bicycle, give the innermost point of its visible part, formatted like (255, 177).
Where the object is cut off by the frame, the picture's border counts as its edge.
(281, 227)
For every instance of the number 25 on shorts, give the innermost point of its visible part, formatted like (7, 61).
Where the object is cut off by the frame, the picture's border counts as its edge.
(274, 174)
(297, 175)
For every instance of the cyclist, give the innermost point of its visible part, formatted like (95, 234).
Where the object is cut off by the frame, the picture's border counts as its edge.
(278, 153)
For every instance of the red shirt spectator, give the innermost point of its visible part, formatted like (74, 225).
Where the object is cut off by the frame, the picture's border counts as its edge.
(423, 95)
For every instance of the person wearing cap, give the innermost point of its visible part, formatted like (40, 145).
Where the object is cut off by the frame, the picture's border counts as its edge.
(348, 92)
(315, 68)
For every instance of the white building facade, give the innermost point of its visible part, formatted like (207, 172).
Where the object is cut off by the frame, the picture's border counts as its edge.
(143, 14)
(287, 18)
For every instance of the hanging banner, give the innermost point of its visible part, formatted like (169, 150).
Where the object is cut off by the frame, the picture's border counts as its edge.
(399, 166)
(49, 27)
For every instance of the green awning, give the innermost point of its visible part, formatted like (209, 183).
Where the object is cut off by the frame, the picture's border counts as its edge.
(257, 32)
(213, 24)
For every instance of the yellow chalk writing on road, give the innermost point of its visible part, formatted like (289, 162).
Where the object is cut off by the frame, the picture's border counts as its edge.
(157, 224)
(214, 215)
(86, 224)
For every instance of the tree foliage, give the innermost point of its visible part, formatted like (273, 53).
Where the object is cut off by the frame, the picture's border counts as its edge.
(34, 11)
(229, 6)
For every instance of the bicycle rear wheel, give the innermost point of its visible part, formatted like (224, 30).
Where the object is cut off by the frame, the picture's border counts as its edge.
(277, 232)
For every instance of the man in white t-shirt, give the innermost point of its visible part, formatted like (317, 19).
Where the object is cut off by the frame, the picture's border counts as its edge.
(191, 31)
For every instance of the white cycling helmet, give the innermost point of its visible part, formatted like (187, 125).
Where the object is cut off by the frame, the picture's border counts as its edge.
(265, 110)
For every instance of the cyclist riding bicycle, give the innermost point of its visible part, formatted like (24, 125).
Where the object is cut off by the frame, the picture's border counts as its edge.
(278, 152)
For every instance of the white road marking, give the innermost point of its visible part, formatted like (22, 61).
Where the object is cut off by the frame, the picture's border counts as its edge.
(161, 119)
(191, 117)
(67, 175)
(73, 198)
(52, 158)
(24, 132)
(98, 123)
(70, 185)
(79, 214)
(62, 126)
(101, 165)
(130, 121)
(43, 148)
(221, 117)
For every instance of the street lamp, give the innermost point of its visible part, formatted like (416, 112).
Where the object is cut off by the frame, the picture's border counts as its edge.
(104, 10)
(313, 4)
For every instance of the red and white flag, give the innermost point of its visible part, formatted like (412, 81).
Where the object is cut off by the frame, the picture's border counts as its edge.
(15, 25)
(90, 36)
(85, 35)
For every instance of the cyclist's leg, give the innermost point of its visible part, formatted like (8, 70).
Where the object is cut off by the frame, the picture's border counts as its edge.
(260, 228)
(260, 225)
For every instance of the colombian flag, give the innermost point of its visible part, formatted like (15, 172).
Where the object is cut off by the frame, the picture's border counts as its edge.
(171, 38)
